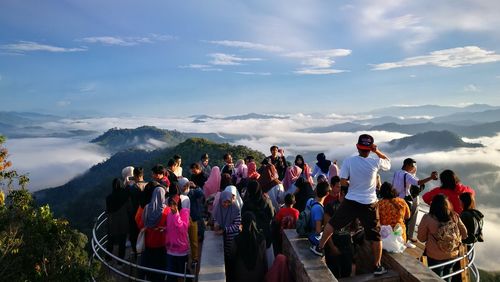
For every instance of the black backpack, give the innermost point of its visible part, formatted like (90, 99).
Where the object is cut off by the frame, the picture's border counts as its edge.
(478, 225)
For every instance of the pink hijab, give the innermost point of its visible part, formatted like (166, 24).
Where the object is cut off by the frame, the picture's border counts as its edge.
(291, 175)
(212, 185)
(333, 170)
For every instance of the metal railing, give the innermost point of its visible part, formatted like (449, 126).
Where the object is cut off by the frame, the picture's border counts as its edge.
(99, 252)
(470, 255)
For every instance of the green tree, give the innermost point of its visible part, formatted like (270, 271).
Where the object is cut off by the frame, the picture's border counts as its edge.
(35, 246)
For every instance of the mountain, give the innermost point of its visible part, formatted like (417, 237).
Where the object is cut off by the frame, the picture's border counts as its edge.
(144, 137)
(25, 118)
(31, 125)
(430, 110)
(152, 138)
(83, 198)
(478, 130)
(341, 127)
(470, 117)
(430, 141)
(254, 116)
(204, 118)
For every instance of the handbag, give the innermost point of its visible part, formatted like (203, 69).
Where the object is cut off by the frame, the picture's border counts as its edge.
(141, 241)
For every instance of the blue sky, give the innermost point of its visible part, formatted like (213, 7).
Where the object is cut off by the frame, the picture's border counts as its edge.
(229, 57)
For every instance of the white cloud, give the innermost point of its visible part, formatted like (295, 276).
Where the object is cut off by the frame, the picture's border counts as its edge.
(247, 45)
(318, 61)
(194, 66)
(52, 161)
(253, 73)
(472, 88)
(125, 41)
(413, 75)
(318, 71)
(200, 67)
(23, 47)
(229, 60)
(413, 24)
(328, 53)
(447, 58)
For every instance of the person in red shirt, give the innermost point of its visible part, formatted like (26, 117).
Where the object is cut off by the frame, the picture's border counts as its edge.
(288, 215)
(285, 219)
(451, 188)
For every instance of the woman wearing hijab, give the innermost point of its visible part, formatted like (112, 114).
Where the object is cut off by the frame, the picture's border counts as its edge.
(262, 207)
(271, 185)
(154, 219)
(118, 208)
(303, 193)
(227, 220)
(240, 174)
(322, 166)
(236, 195)
(248, 252)
(291, 175)
(306, 170)
(212, 185)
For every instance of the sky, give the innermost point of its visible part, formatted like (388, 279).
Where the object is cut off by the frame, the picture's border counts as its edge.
(158, 58)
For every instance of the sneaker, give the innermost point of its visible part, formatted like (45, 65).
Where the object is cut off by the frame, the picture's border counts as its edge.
(380, 270)
(317, 250)
(410, 245)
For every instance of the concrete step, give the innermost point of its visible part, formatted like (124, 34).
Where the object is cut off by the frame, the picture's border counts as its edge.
(390, 276)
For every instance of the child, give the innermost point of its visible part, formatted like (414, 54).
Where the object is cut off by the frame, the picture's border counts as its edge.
(287, 216)
(177, 243)
(285, 219)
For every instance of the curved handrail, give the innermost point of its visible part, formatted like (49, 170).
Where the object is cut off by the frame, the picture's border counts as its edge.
(471, 255)
(98, 244)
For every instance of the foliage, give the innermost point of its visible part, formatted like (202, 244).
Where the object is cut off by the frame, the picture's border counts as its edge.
(489, 276)
(35, 246)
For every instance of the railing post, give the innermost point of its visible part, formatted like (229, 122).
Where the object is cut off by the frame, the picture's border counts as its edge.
(464, 262)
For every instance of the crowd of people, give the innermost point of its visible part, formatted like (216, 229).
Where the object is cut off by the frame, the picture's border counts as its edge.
(250, 204)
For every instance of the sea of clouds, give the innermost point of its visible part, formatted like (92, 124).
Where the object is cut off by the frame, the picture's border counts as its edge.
(54, 161)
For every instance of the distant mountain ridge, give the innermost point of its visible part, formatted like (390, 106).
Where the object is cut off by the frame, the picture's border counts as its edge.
(152, 138)
(430, 110)
(431, 140)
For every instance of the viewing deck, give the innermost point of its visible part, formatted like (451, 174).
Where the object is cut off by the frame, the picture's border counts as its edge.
(303, 265)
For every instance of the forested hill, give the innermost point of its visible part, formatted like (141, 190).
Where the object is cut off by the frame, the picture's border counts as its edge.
(151, 138)
(431, 140)
(83, 198)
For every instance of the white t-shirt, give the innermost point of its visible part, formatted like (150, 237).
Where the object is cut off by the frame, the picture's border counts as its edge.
(362, 175)
(399, 179)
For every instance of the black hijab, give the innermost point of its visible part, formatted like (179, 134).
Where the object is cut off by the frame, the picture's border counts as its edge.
(323, 163)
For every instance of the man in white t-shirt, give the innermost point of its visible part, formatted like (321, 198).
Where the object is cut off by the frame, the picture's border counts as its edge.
(402, 180)
(360, 174)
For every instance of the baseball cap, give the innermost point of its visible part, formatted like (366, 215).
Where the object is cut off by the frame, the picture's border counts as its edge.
(365, 142)
(409, 161)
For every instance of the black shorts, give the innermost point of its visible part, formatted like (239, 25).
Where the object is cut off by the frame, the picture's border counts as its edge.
(368, 215)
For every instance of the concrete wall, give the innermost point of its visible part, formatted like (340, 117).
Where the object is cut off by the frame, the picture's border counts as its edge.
(304, 265)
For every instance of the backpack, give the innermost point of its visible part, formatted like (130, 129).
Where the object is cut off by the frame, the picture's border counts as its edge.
(478, 226)
(448, 236)
(303, 225)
